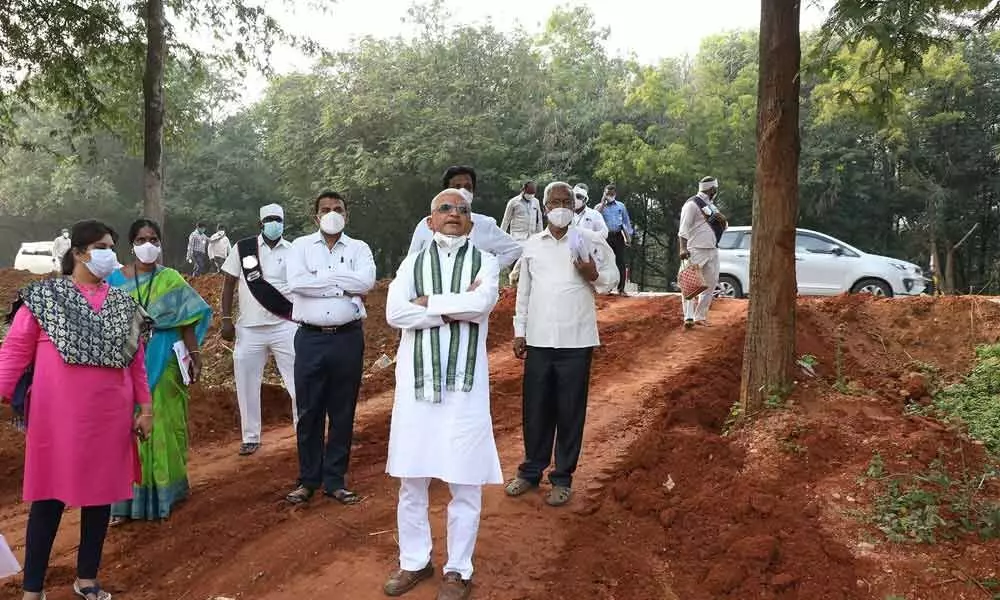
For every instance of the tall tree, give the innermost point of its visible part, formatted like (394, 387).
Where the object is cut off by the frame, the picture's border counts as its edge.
(153, 104)
(769, 350)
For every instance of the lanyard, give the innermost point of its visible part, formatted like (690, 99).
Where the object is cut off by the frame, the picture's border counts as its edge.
(149, 287)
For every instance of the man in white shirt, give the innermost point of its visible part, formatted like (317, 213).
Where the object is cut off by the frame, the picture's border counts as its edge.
(329, 273)
(585, 217)
(555, 329)
(60, 246)
(523, 216)
(485, 234)
(218, 248)
(264, 325)
(441, 425)
(701, 227)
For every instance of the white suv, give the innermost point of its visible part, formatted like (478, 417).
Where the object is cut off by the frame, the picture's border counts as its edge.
(824, 266)
(35, 257)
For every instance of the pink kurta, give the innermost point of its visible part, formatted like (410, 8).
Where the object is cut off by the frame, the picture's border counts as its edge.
(80, 446)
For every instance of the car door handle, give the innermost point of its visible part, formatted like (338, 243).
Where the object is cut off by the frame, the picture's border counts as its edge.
(742, 256)
(799, 259)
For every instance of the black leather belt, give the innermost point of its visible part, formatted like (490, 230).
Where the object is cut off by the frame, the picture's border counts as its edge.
(332, 328)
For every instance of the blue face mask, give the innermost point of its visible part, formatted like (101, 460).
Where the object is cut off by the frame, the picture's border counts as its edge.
(273, 230)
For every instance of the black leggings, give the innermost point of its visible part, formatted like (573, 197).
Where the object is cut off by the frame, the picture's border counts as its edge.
(43, 523)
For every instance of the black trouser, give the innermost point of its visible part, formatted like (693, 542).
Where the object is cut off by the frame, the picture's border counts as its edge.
(43, 523)
(617, 242)
(328, 368)
(556, 381)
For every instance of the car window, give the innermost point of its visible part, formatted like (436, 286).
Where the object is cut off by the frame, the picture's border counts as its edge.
(809, 243)
(745, 241)
(729, 240)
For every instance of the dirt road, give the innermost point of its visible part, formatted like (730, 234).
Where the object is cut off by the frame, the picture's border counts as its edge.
(666, 507)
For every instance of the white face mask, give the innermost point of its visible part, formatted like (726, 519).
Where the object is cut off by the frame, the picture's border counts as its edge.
(529, 197)
(103, 262)
(332, 223)
(560, 217)
(449, 242)
(579, 203)
(147, 253)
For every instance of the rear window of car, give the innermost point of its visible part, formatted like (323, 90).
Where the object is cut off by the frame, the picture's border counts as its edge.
(730, 240)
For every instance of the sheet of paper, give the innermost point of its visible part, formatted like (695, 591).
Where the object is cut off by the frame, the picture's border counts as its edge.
(184, 361)
(8, 564)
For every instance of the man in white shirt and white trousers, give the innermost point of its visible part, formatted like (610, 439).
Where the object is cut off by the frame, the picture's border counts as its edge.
(555, 329)
(485, 234)
(699, 246)
(259, 332)
(329, 273)
(441, 424)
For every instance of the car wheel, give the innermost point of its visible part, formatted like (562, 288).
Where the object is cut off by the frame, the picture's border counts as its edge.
(875, 287)
(728, 287)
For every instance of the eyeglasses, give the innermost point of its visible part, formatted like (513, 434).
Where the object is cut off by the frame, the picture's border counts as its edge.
(581, 197)
(447, 208)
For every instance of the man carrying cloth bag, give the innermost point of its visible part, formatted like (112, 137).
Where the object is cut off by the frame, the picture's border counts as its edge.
(701, 228)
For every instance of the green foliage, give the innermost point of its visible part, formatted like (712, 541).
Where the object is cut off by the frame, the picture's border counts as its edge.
(933, 505)
(975, 402)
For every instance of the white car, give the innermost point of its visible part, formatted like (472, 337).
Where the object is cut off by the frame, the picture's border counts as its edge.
(35, 257)
(824, 266)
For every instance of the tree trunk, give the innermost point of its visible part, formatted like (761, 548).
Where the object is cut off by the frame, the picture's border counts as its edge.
(153, 109)
(769, 350)
(949, 270)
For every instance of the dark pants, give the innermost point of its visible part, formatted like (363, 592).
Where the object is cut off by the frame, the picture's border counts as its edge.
(200, 264)
(43, 523)
(328, 368)
(556, 381)
(617, 242)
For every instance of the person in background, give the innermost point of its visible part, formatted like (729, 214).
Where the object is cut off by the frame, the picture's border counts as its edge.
(619, 229)
(197, 250)
(485, 234)
(585, 217)
(523, 216)
(441, 425)
(259, 265)
(180, 321)
(701, 228)
(555, 330)
(60, 246)
(329, 273)
(88, 402)
(218, 248)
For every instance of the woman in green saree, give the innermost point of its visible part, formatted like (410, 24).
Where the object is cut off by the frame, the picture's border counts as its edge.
(179, 315)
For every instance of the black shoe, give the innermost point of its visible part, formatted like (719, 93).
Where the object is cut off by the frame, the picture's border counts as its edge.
(249, 448)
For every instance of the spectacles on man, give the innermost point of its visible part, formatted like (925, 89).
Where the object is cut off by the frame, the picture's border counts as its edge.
(581, 197)
(447, 208)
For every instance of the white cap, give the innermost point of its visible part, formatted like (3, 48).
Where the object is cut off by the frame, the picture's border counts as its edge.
(272, 210)
(581, 189)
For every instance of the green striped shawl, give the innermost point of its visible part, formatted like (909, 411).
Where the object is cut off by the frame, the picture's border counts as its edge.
(457, 375)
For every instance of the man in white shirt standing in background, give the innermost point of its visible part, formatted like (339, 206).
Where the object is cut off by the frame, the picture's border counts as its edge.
(555, 329)
(701, 227)
(60, 246)
(523, 215)
(584, 216)
(328, 275)
(264, 325)
(485, 234)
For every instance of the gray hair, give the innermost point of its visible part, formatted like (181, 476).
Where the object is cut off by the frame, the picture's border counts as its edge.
(451, 192)
(556, 185)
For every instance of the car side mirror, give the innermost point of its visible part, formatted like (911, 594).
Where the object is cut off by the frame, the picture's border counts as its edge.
(836, 251)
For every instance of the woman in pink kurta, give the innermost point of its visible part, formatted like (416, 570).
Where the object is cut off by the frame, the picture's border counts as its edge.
(84, 340)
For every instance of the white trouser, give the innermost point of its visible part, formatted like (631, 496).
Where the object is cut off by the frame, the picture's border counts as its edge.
(708, 258)
(253, 344)
(414, 525)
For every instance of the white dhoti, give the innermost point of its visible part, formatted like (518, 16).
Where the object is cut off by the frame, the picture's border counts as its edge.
(708, 259)
(253, 345)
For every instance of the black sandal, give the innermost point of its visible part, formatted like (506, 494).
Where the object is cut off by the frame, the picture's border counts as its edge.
(300, 495)
(344, 496)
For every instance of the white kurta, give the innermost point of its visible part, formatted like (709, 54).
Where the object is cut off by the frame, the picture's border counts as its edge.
(451, 440)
